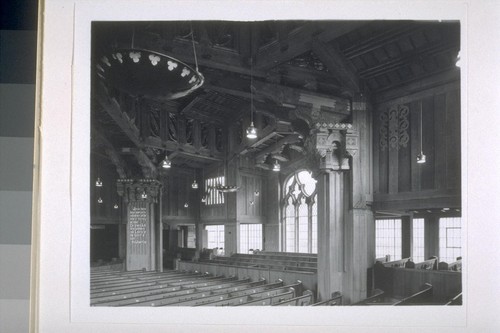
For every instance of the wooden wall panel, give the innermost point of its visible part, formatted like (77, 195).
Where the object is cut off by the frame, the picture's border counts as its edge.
(399, 175)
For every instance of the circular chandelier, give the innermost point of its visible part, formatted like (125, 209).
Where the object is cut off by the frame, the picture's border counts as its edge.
(149, 74)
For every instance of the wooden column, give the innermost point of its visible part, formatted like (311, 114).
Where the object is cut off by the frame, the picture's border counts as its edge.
(359, 232)
(431, 236)
(140, 198)
(330, 232)
(406, 234)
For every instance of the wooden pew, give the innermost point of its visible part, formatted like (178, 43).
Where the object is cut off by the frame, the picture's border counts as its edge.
(305, 299)
(149, 294)
(336, 299)
(429, 264)
(422, 297)
(396, 263)
(270, 300)
(378, 297)
(194, 295)
(457, 300)
(240, 298)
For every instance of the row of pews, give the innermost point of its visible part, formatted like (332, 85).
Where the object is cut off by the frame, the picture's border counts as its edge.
(404, 282)
(424, 296)
(270, 260)
(182, 288)
(429, 264)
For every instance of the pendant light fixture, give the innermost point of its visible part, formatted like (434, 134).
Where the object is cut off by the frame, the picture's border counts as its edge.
(276, 166)
(251, 130)
(194, 185)
(166, 163)
(98, 182)
(99, 200)
(421, 156)
(115, 206)
(144, 195)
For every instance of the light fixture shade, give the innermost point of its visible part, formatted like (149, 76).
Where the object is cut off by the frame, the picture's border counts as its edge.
(98, 182)
(421, 158)
(166, 163)
(276, 166)
(147, 73)
(186, 205)
(251, 131)
(99, 200)
(144, 195)
(115, 206)
(194, 185)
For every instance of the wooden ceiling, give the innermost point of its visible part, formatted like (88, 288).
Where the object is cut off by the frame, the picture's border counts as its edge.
(271, 61)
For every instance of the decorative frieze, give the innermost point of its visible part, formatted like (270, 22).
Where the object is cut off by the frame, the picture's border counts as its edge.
(139, 189)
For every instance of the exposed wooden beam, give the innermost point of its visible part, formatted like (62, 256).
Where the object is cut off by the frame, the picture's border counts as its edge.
(276, 147)
(336, 63)
(299, 41)
(148, 168)
(110, 150)
(407, 59)
(113, 108)
(369, 44)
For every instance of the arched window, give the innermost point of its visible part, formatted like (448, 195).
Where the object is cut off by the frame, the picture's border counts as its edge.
(300, 222)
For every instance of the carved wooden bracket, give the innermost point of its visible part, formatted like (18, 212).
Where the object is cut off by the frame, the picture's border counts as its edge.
(139, 189)
(334, 144)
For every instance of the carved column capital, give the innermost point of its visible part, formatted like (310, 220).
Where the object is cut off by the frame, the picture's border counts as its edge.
(334, 143)
(139, 189)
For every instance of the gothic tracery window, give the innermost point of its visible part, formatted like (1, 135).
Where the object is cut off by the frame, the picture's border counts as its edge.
(300, 214)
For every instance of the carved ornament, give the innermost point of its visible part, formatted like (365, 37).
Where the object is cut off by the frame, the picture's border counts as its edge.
(139, 189)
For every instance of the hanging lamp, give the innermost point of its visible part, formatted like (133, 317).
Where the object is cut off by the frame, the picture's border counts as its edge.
(276, 166)
(150, 74)
(166, 163)
(421, 157)
(251, 130)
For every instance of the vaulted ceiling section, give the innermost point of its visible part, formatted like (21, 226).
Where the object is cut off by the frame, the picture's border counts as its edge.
(270, 62)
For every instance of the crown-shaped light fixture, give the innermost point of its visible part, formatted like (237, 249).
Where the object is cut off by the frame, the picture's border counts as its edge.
(421, 156)
(144, 195)
(194, 185)
(251, 130)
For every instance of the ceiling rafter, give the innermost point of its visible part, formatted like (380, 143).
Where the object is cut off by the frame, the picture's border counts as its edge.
(336, 63)
(408, 58)
(299, 42)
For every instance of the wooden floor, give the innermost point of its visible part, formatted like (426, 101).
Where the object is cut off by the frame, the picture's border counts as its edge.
(182, 288)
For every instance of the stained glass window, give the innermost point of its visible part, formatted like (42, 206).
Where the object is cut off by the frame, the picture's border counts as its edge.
(300, 214)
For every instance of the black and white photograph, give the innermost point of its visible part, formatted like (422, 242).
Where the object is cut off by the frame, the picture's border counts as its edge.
(275, 163)
(274, 166)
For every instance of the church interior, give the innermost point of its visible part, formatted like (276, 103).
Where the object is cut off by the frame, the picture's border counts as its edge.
(275, 163)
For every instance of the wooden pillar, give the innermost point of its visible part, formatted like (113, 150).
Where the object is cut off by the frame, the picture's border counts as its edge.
(406, 235)
(359, 233)
(330, 232)
(346, 224)
(140, 198)
(431, 236)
